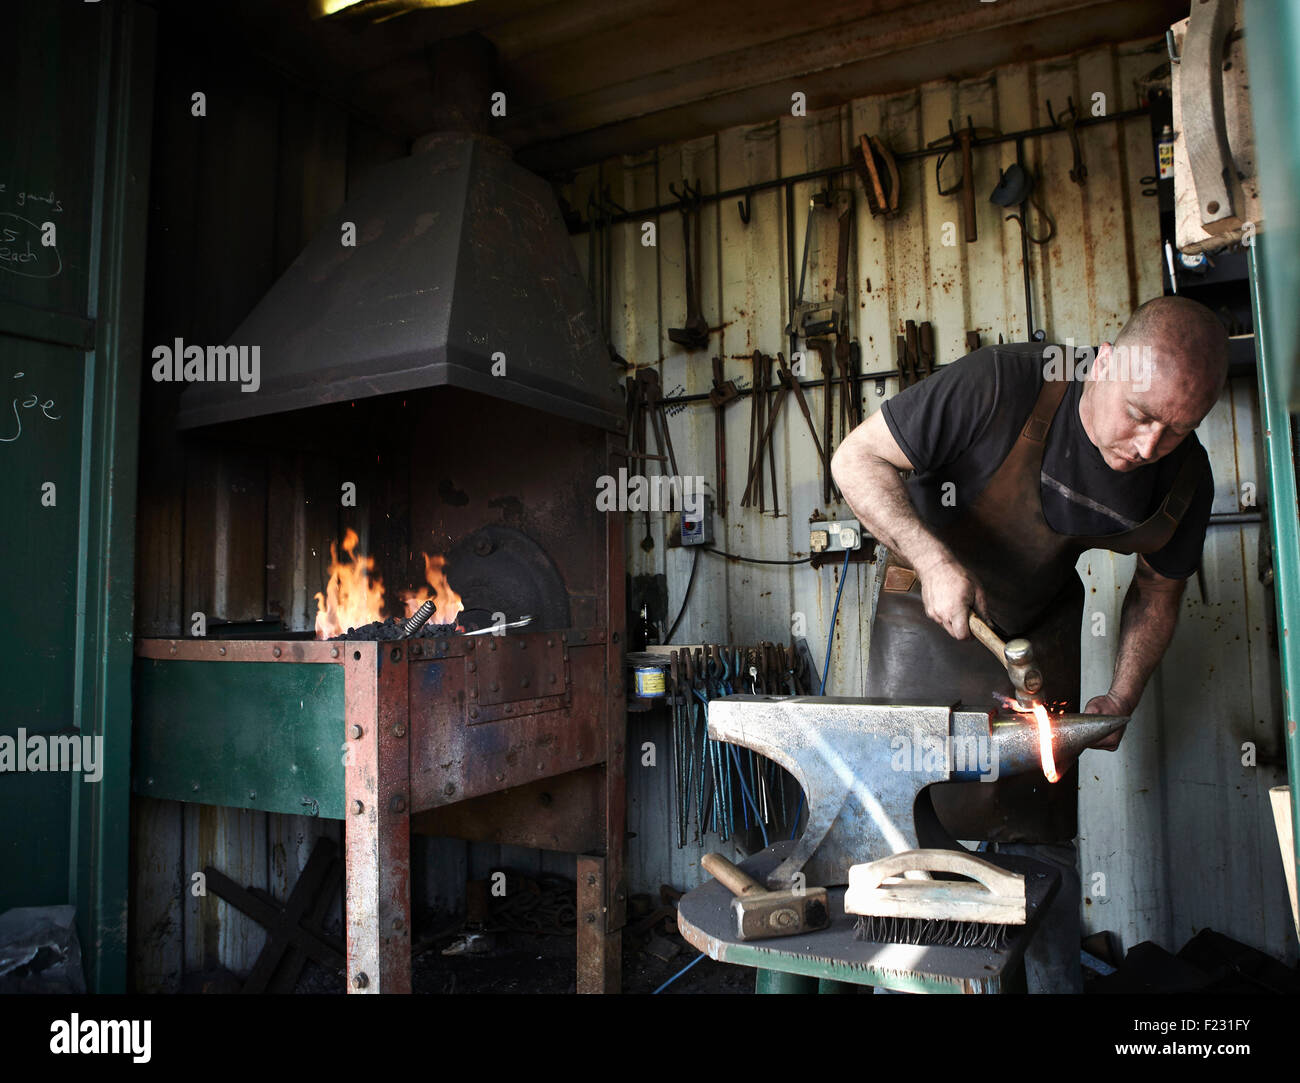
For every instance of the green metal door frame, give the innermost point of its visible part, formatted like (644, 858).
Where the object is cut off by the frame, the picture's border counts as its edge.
(1272, 41)
(85, 329)
(99, 875)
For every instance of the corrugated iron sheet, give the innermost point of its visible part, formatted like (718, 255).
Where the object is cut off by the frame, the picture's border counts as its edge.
(1175, 833)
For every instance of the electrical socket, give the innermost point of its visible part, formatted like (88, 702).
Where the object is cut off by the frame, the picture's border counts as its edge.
(835, 537)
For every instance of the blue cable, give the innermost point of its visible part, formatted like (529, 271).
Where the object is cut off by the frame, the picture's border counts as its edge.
(745, 789)
(826, 668)
(678, 974)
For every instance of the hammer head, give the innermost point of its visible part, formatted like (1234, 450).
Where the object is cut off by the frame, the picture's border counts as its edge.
(780, 913)
(1025, 675)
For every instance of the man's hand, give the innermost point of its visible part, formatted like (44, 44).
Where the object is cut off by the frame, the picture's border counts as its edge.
(948, 594)
(1109, 704)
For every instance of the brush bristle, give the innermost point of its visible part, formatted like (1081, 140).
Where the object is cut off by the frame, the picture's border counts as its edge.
(932, 931)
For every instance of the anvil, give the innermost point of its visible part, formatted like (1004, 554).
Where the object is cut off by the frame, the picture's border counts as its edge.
(862, 763)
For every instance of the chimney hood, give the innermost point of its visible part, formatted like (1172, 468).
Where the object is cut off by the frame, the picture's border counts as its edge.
(462, 274)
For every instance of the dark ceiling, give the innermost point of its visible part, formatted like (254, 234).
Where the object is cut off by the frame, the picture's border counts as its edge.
(585, 79)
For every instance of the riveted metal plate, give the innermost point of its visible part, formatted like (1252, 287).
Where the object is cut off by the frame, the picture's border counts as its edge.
(510, 676)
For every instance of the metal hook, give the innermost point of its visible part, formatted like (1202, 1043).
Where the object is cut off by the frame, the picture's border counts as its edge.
(1019, 219)
(742, 205)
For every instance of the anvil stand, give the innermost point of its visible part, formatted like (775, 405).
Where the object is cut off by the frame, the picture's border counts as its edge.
(832, 961)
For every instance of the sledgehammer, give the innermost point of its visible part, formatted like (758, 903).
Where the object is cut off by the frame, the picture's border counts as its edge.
(1018, 656)
(760, 913)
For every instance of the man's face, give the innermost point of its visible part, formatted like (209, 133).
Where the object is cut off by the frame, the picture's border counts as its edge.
(1139, 412)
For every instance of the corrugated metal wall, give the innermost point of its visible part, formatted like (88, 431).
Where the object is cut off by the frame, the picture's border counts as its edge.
(1174, 811)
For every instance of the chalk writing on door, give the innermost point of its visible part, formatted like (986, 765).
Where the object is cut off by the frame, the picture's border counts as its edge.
(21, 402)
(22, 252)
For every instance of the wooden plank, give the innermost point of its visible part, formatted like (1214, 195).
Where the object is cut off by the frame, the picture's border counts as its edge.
(159, 887)
(240, 852)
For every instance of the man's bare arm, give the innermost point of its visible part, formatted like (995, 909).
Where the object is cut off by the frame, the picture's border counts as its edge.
(1147, 625)
(865, 467)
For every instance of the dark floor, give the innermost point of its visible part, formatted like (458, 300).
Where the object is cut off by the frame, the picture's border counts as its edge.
(530, 963)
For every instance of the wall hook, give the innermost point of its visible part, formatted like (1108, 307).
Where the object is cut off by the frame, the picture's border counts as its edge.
(742, 205)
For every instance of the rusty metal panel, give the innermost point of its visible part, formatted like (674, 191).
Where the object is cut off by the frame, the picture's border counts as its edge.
(458, 754)
(377, 832)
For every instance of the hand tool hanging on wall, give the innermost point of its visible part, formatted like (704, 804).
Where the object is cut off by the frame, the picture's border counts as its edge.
(764, 444)
(817, 322)
(915, 353)
(826, 355)
(878, 172)
(1066, 122)
(600, 262)
(790, 382)
(724, 393)
(925, 340)
(645, 403)
(904, 362)
(695, 335)
(1014, 189)
(959, 141)
(757, 406)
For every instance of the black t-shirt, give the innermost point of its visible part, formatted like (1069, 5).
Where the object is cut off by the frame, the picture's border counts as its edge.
(943, 426)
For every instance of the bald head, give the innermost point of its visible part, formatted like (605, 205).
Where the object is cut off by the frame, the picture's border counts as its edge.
(1149, 390)
(1185, 342)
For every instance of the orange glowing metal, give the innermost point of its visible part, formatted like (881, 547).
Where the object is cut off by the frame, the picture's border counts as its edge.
(1045, 743)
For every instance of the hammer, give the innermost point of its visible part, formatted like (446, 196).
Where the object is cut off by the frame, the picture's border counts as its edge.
(761, 913)
(1017, 655)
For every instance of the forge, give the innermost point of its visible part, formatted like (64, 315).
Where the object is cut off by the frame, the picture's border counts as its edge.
(445, 374)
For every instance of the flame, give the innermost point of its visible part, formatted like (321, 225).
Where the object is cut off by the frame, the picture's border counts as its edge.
(351, 599)
(354, 596)
(448, 602)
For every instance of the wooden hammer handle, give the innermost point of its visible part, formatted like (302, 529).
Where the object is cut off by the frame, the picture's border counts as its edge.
(735, 880)
(988, 637)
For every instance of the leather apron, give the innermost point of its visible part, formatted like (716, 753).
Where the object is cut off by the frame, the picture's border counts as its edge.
(1031, 587)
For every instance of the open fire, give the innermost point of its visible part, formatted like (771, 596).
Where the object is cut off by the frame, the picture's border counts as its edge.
(354, 596)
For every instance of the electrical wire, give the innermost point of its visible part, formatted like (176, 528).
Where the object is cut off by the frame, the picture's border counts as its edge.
(686, 597)
(678, 974)
(753, 560)
(826, 667)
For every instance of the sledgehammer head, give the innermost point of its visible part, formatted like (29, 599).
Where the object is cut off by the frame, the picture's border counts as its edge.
(760, 913)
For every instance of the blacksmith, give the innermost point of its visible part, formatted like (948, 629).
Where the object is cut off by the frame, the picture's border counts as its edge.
(1021, 463)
